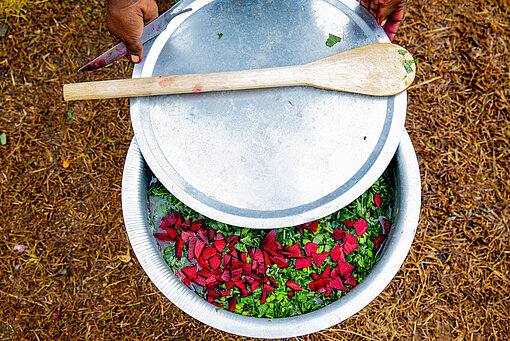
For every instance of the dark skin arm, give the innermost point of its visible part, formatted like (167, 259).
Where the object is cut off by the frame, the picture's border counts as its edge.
(126, 18)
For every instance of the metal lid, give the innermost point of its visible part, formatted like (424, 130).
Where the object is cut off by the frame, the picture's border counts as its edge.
(270, 157)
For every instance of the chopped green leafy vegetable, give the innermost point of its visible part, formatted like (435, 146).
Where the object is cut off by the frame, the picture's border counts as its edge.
(332, 40)
(219, 35)
(3, 139)
(402, 52)
(272, 273)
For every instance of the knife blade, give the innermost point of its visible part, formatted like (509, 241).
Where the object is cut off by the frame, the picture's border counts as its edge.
(151, 30)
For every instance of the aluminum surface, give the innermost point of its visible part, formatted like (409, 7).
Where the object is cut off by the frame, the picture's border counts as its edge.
(134, 206)
(270, 157)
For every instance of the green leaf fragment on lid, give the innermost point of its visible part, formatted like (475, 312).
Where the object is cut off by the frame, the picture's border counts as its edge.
(219, 35)
(402, 52)
(332, 40)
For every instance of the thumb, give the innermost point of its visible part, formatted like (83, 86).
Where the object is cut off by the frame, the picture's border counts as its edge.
(135, 50)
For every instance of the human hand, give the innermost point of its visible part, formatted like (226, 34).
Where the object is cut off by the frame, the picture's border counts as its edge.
(125, 19)
(388, 13)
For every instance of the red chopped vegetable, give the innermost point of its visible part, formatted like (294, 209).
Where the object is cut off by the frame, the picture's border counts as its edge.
(293, 285)
(310, 248)
(319, 258)
(337, 284)
(200, 280)
(190, 271)
(232, 240)
(204, 272)
(349, 223)
(235, 264)
(361, 226)
(203, 235)
(203, 264)
(164, 237)
(225, 293)
(338, 234)
(273, 282)
(184, 226)
(195, 226)
(336, 252)
(377, 200)
(265, 290)
(215, 261)
(178, 247)
(254, 285)
(170, 219)
(276, 257)
(295, 251)
(344, 268)
(283, 265)
(210, 234)
(325, 273)
(244, 257)
(191, 248)
(271, 236)
(267, 260)
(208, 252)
(186, 235)
(229, 285)
(291, 294)
(246, 269)
(301, 228)
(226, 260)
(234, 253)
(349, 247)
(320, 283)
(378, 241)
(312, 226)
(385, 225)
(258, 256)
(236, 272)
(350, 280)
(232, 301)
(216, 304)
(349, 238)
(187, 281)
(225, 276)
(214, 294)
(199, 247)
(303, 263)
(262, 268)
(240, 285)
(219, 242)
(315, 276)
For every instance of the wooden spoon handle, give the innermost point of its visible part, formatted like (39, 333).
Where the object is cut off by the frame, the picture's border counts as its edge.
(380, 69)
(178, 84)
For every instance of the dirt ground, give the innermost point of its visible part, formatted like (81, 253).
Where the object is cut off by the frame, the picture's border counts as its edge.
(61, 170)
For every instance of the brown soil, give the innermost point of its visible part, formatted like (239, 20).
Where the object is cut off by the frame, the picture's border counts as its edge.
(78, 279)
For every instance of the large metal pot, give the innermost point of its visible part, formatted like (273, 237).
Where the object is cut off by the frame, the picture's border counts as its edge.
(134, 205)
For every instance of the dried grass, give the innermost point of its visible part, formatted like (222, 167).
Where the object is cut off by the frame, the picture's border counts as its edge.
(77, 279)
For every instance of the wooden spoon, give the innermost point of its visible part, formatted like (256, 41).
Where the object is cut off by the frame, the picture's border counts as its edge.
(381, 69)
